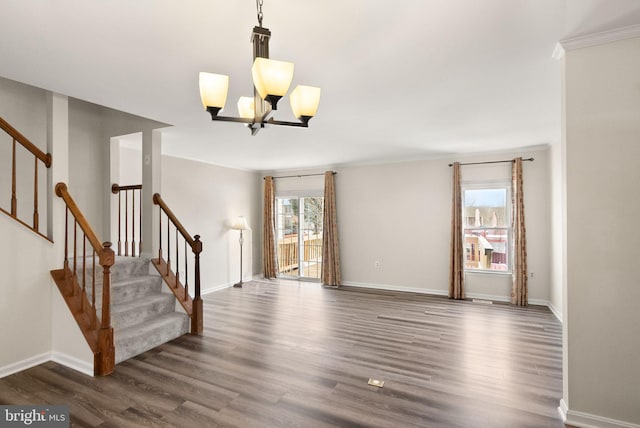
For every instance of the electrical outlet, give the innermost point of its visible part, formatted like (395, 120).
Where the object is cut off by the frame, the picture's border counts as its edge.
(531, 274)
(376, 264)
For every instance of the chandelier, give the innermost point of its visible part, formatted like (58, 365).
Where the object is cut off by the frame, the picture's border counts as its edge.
(271, 81)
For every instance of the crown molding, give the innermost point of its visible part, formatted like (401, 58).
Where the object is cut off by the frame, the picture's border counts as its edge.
(595, 39)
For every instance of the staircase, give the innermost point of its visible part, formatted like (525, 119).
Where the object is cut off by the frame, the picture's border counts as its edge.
(142, 315)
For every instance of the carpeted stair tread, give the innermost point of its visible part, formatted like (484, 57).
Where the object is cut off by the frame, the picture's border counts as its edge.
(126, 289)
(134, 340)
(134, 312)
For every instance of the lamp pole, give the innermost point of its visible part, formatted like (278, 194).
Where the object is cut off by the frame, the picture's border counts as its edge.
(239, 284)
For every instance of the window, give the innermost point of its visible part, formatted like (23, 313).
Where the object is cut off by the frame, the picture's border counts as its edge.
(487, 228)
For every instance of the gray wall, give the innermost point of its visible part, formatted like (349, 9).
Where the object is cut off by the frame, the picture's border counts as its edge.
(206, 198)
(399, 214)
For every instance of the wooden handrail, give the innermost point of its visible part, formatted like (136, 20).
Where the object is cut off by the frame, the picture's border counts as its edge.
(100, 338)
(63, 192)
(193, 307)
(115, 189)
(39, 155)
(158, 201)
(44, 157)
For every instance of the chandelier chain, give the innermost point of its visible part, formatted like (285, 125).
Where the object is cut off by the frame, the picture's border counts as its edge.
(259, 8)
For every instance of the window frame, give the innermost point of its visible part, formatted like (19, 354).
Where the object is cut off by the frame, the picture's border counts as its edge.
(489, 185)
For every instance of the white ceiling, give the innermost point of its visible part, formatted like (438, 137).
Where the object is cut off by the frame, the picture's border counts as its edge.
(400, 80)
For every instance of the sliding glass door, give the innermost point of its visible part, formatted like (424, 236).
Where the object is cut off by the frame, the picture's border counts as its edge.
(299, 236)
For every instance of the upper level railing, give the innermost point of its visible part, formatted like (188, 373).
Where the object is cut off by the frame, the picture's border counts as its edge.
(127, 215)
(78, 282)
(39, 156)
(178, 235)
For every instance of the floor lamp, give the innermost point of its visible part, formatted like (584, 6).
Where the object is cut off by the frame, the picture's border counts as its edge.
(240, 224)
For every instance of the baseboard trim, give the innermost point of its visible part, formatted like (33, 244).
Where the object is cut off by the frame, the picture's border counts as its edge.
(555, 311)
(563, 409)
(72, 363)
(210, 290)
(395, 288)
(507, 299)
(25, 364)
(586, 420)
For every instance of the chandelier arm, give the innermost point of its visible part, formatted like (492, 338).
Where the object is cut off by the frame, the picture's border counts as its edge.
(272, 121)
(249, 121)
(233, 119)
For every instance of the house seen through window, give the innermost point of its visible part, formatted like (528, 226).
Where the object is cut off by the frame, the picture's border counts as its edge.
(487, 228)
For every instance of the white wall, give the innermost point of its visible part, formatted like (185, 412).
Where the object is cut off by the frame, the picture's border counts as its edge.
(24, 107)
(205, 198)
(25, 311)
(87, 162)
(602, 325)
(399, 214)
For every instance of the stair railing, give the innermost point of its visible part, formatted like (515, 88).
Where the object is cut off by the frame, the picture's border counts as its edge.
(39, 156)
(128, 212)
(75, 290)
(176, 232)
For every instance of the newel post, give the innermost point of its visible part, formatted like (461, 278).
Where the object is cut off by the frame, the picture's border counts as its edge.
(196, 316)
(106, 356)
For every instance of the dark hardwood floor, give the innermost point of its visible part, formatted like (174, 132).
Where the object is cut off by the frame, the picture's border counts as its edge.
(289, 354)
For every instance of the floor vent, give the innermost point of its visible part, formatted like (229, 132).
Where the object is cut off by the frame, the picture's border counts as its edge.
(483, 302)
(376, 382)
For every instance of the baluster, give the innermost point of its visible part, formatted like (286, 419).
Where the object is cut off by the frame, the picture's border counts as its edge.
(36, 220)
(160, 243)
(119, 222)
(66, 243)
(75, 254)
(133, 223)
(126, 223)
(14, 201)
(168, 247)
(140, 225)
(186, 271)
(177, 261)
(93, 290)
(84, 268)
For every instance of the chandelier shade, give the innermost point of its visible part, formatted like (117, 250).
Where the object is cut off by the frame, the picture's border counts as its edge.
(304, 102)
(271, 79)
(246, 107)
(213, 90)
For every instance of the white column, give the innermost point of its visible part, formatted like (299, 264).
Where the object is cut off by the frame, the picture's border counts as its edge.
(151, 183)
(58, 146)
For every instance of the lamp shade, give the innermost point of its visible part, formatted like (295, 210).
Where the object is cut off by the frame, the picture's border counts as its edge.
(240, 223)
(271, 77)
(304, 101)
(213, 89)
(246, 107)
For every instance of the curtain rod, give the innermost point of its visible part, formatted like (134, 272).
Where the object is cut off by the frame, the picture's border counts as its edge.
(500, 161)
(302, 175)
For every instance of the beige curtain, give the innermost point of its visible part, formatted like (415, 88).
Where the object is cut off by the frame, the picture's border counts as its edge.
(269, 259)
(456, 264)
(519, 291)
(330, 253)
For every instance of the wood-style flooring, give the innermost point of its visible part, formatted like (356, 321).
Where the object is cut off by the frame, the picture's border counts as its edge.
(295, 354)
